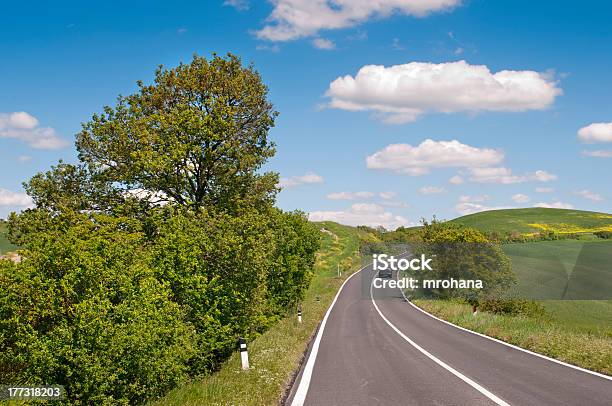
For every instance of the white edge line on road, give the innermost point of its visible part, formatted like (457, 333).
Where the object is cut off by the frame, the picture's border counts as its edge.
(300, 394)
(444, 365)
(556, 361)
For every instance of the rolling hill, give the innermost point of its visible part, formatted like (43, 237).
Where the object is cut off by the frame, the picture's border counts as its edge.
(533, 220)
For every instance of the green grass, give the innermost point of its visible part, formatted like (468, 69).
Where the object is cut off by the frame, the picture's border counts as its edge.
(533, 220)
(572, 279)
(5, 245)
(567, 269)
(544, 335)
(276, 354)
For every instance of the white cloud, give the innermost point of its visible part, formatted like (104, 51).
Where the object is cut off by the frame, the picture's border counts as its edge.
(350, 195)
(555, 205)
(24, 158)
(544, 190)
(293, 19)
(157, 198)
(473, 204)
(401, 93)
(479, 198)
(520, 198)
(587, 194)
(394, 203)
(368, 214)
(456, 180)
(387, 195)
(416, 161)
(505, 176)
(431, 190)
(308, 178)
(542, 176)
(596, 132)
(14, 199)
(598, 154)
(23, 126)
(240, 5)
(322, 43)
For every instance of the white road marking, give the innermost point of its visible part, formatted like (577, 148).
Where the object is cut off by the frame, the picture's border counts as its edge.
(444, 365)
(302, 390)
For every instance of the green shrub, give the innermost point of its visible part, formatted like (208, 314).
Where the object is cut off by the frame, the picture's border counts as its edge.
(216, 267)
(296, 243)
(604, 234)
(512, 307)
(85, 311)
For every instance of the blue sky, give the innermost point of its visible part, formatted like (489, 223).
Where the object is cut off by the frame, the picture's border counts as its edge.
(517, 141)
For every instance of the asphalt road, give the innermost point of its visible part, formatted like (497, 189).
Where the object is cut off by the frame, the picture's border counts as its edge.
(377, 349)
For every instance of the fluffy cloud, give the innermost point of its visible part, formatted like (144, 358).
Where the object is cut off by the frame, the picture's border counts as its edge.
(418, 160)
(387, 195)
(368, 214)
(473, 204)
(587, 194)
(292, 19)
(23, 126)
(544, 190)
(520, 198)
(596, 132)
(555, 205)
(400, 93)
(322, 43)
(598, 154)
(456, 180)
(293, 181)
(431, 190)
(505, 176)
(350, 195)
(14, 199)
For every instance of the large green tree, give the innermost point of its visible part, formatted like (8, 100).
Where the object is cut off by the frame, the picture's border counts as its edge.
(196, 137)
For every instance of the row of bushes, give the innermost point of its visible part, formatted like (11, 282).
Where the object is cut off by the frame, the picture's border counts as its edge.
(516, 237)
(606, 235)
(120, 310)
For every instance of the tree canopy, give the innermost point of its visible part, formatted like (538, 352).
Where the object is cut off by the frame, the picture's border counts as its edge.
(196, 136)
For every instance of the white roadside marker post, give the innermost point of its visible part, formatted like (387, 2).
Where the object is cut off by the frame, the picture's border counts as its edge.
(299, 313)
(339, 271)
(244, 354)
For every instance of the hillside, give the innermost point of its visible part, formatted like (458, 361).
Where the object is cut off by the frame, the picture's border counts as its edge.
(533, 220)
(5, 246)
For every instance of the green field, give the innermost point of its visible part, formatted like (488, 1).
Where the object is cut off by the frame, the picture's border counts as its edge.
(5, 245)
(572, 278)
(533, 220)
(567, 269)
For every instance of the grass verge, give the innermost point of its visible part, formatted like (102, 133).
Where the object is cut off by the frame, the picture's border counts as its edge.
(544, 335)
(276, 354)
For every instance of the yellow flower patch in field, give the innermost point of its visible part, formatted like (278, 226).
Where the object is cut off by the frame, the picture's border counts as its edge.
(563, 228)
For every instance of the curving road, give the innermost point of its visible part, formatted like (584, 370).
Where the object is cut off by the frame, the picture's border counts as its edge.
(375, 348)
